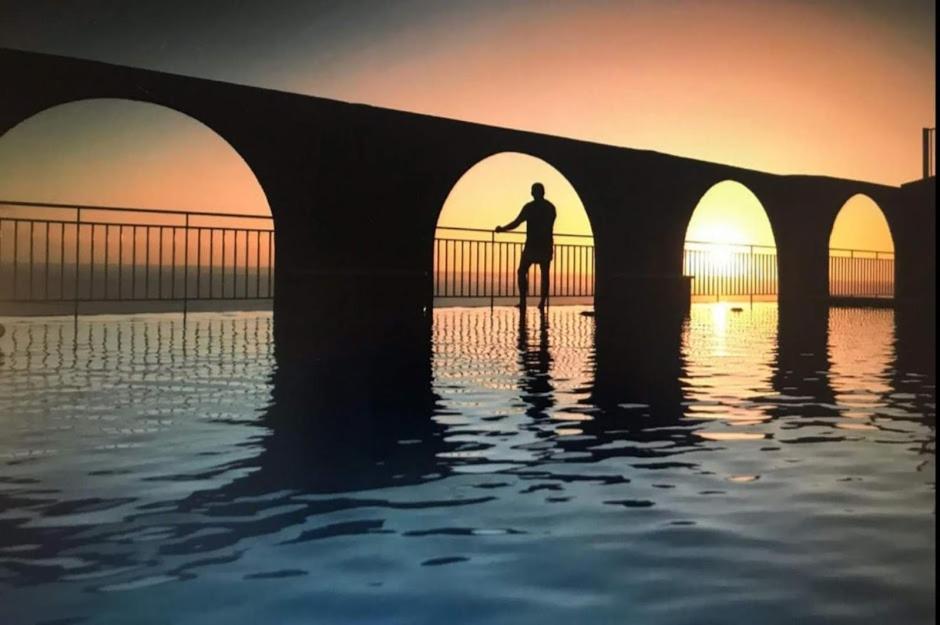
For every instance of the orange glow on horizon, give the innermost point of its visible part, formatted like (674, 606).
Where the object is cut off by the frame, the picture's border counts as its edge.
(730, 214)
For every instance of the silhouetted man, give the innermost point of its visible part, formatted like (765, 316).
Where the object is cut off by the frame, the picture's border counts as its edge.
(539, 215)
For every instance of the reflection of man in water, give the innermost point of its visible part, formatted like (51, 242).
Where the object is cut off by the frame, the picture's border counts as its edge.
(539, 215)
(536, 381)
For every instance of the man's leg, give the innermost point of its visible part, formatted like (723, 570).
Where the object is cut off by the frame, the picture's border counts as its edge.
(543, 273)
(523, 276)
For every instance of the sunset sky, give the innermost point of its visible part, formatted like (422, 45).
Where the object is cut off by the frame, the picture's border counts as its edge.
(832, 87)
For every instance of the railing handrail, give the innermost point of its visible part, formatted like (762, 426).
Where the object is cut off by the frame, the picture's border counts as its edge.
(184, 213)
(855, 249)
(717, 243)
(489, 231)
(125, 209)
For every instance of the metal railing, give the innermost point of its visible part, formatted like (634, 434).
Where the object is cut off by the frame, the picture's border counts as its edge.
(861, 273)
(83, 253)
(472, 262)
(730, 270)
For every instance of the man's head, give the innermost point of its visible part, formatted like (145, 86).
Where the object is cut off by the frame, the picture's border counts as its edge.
(538, 191)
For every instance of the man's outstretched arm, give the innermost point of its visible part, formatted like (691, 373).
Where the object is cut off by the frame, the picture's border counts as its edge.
(515, 223)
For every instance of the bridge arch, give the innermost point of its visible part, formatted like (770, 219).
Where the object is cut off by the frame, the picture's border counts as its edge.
(730, 247)
(116, 176)
(469, 259)
(861, 250)
(205, 112)
(137, 121)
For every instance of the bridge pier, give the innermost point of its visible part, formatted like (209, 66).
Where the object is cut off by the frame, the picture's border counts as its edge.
(914, 225)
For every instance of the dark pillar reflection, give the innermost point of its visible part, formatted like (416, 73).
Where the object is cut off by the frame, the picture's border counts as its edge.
(801, 370)
(913, 374)
(638, 362)
(354, 412)
(915, 341)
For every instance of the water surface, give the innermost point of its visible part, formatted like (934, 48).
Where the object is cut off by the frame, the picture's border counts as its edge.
(157, 472)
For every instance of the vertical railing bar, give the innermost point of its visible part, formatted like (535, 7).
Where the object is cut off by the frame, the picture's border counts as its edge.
(173, 232)
(586, 266)
(492, 264)
(572, 262)
(91, 278)
(185, 268)
(233, 274)
(16, 258)
(222, 268)
(568, 271)
(567, 266)
(503, 288)
(160, 267)
(438, 267)
(121, 262)
(32, 236)
(851, 289)
(198, 262)
(245, 272)
(211, 262)
(467, 267)
(476, 273)
(235, 260)
(593, 271)
(471, 247)
(258, 264)
(78, 235)
(554, 274)
(134, 231)
(581, 264)
(147, 263)
(270, 262)
(476, 278)
(45, 290)
(234, 263)
(578, 270)
(62, 260)
(512, 276)
(497, 267)
(471, 272)
(584, 270)
(107, 258)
